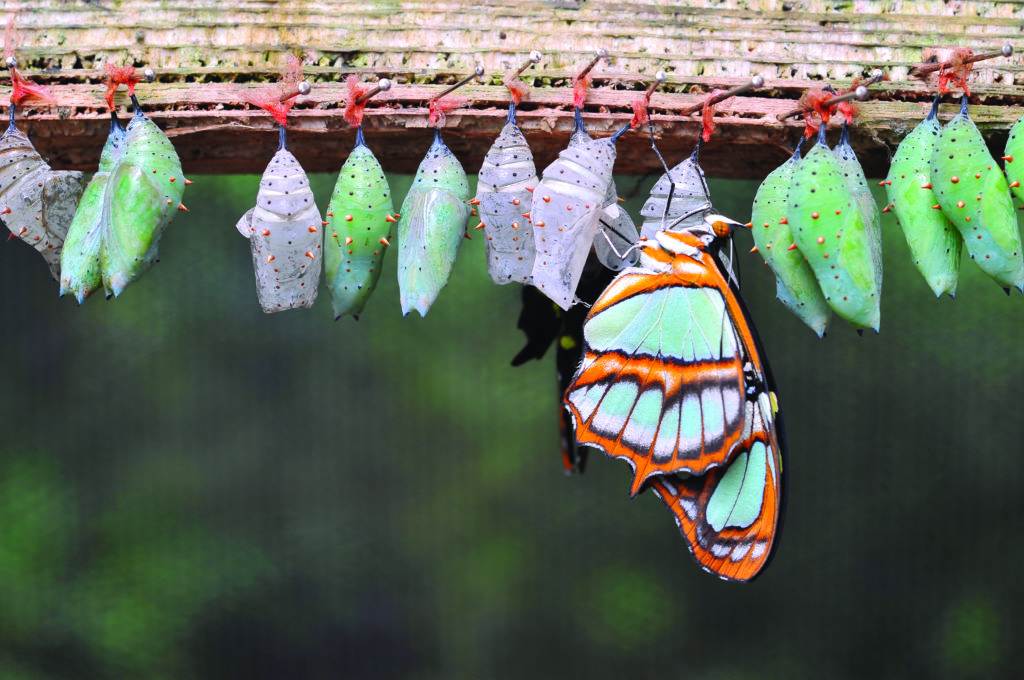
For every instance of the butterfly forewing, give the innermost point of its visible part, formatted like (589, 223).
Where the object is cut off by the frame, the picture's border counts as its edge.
(662, 383)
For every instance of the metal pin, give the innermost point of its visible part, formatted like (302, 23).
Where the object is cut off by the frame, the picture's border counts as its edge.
(149, 75)
(861, 93)
(601, 54)
(479, 71)
(924, 70)
(11, 62)
(755, 83)
(659, 78)
(302, 88)
(382, 85)
(534, 58)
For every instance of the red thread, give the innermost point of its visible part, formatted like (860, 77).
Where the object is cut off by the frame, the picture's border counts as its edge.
(439, 107)
(580, 85)
(517, 89)
(119, 75)
(813, 104)
(641, 116)
(956, 70)
(21, 87)
(353, 109)
(269, 98)
(707, 116)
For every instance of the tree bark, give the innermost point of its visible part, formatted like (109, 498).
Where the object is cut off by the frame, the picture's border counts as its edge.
(207, 53)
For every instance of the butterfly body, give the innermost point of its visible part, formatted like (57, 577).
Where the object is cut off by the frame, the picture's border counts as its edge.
(431, 228)
(978, 202)
(935, 244)
(673, 382)
(286, 237)
(357, 231)
(38, 202)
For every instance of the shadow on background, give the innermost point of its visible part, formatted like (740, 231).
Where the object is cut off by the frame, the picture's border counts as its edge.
(190, 488)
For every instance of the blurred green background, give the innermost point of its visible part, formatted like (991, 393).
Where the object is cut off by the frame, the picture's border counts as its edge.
(192, 489)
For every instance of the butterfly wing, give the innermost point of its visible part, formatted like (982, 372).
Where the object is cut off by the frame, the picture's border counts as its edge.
(662, 382)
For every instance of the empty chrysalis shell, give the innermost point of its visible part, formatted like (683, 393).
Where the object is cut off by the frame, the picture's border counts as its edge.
(566, 211)
(135, 195)
(678, 200)
(935, 244)
(286, 236)
(828, 227)
(503, 191)
(857, 183)
(796, 286)
(972, 191)
(358, 230)
(432, 227)
(38, 203)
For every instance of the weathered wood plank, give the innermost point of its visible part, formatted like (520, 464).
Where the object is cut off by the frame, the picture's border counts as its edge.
(207, 51)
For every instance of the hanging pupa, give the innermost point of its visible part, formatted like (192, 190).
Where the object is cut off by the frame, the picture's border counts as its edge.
(1014, 150)
(129, 209)
(796, 286)
(359, 216)
(567, 209)
(284, 230)
(857, 184)
(37, 203)
(829, 230)
(935, 244)
(503, 193)
(972, 191)
(433, 220)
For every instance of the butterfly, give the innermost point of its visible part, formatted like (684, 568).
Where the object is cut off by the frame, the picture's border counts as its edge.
(673, 381)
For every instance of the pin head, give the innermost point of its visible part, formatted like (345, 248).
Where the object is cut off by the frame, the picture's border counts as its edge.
(877, 74)
(660, 76)
(384, 84)
(305, 87)
(149, 74)
(757, 81)
(11, 62)
(602, 53)
(861, 93)
(479, 70)
(535, 56)
(1007, 50)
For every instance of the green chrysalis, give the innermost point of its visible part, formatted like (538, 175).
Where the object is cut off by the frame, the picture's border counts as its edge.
(857, 183)
(431, 228)
(358, 230)
(126, 212)
(935, 244)
(796, 286)
(1014, 150)
(972, 191)
(80, 260)
(829, 230)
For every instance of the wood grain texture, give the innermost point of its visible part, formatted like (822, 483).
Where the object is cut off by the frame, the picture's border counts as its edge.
(207, 53)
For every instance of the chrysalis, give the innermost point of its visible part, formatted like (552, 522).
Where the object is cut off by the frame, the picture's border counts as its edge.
(431, 227)
(568, 206)
(796, 286)
(973, 193)
(129, 211)
(857, 183)
(935, 244)
(284, 232)
(506, 179)
(679, 199)
(617, 232)
(1015, 149)
(358, 230)
(38, 203)
(830, 232)
(80, 272)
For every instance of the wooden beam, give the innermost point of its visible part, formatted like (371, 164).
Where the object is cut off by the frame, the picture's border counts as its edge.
(207, 53)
